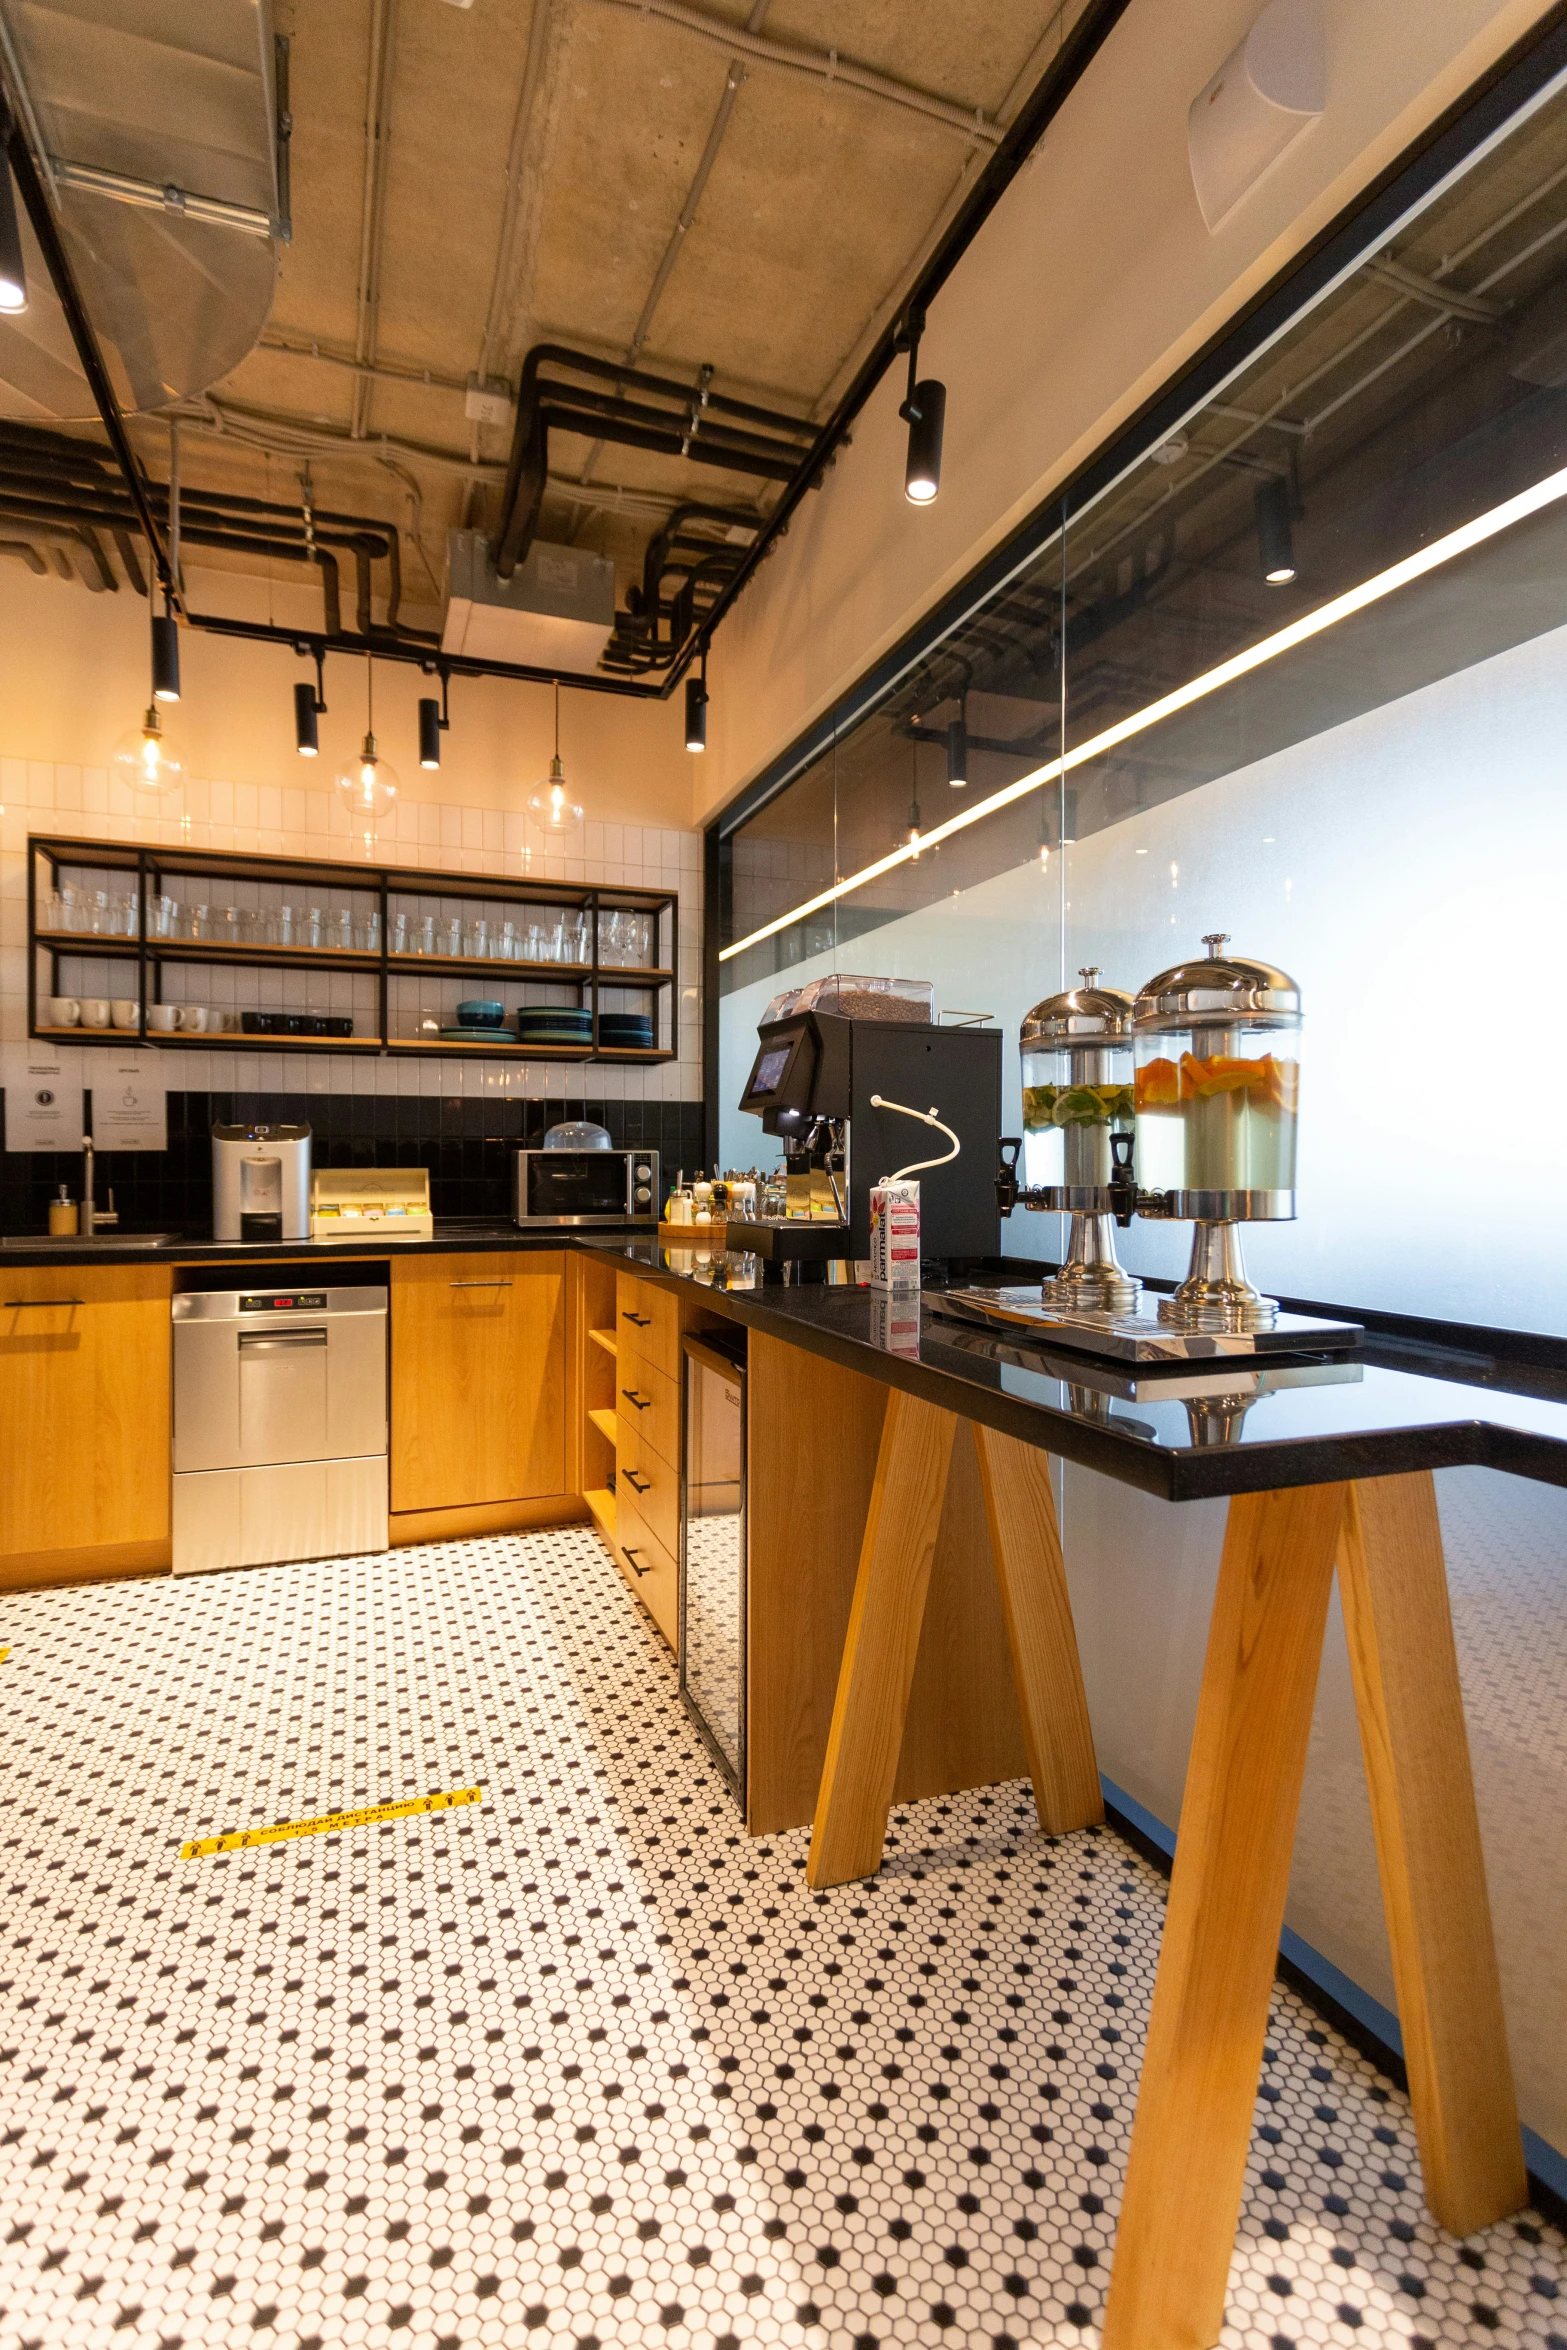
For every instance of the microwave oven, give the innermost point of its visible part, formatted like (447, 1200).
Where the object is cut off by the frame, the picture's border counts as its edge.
(585, 1187)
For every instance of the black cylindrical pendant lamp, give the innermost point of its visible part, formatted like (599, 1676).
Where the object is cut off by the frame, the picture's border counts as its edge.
(13, 272)
(926, 410)
(1275, 537)
(430, 733)
(957, 754)
(306, 739)
(165, 658)
(696, 714)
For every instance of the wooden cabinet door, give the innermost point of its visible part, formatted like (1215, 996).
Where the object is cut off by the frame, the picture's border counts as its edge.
(84, 1412)
(478, 1379)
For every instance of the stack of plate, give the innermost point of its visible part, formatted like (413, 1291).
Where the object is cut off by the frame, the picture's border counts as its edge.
(625, 1031)
(481, 1020)
(554, 1024)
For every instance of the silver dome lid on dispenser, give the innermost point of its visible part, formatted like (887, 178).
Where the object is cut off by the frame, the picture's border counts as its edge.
(1083, 1017)
(1216, 990)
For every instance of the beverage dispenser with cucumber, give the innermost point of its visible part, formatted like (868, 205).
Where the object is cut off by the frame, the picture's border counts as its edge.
(1077, 1129)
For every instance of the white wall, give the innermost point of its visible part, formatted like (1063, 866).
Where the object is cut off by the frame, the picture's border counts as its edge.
(1091, 284)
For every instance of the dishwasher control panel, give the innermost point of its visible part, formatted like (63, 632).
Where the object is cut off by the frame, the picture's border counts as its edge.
(310, 1301)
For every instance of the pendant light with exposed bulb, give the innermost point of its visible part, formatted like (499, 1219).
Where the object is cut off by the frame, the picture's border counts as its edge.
(550, 803)
(369, 783)
(146, 760)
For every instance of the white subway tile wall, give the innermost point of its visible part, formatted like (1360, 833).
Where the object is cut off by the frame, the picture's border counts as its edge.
(37, 796)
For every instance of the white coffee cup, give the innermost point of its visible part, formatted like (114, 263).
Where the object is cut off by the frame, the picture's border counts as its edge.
(193, 1019)
(64, 1011)
(163, 1019)
(95, 1011)
(125, 1009)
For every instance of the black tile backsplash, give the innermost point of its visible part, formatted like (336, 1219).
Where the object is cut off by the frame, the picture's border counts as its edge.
(466, 1145)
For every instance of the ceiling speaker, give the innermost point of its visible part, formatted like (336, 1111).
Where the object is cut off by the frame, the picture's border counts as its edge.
(1267, 91)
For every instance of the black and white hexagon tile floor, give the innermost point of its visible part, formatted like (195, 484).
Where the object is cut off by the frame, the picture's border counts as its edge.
(582, 2065)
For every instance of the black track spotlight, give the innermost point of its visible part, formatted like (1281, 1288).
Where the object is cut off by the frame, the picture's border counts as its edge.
(1275, 536)
(924, 411)
(165, 656)
(13, 273)
(430, 732)
(957, 753)
(696, 713)
(307, 740)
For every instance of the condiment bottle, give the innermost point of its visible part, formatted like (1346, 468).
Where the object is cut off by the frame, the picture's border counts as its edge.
(702, 1195)
(677, 1209)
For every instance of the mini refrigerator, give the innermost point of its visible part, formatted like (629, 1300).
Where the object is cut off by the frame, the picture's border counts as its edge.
(713, 1547)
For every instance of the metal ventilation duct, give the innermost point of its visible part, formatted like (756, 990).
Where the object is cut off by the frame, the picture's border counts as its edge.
(161, 132)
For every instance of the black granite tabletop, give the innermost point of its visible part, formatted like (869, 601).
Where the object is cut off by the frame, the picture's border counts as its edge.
(1186, 1433)
(1403, 1402)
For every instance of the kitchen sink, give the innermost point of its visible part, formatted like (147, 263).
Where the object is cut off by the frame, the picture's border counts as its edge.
(77, 1240)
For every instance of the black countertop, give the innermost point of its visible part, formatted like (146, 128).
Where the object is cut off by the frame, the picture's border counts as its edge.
(1185, 1434)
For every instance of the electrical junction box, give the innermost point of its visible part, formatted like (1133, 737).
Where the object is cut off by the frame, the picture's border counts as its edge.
(556, 611)
(488, 398)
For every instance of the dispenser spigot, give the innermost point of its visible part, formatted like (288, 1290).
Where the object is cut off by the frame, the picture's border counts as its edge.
(1006, 1174)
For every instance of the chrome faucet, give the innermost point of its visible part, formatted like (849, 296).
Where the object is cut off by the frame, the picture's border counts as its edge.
(93, 1216)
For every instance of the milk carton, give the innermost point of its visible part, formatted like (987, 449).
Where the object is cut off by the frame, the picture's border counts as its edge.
(895, 1236)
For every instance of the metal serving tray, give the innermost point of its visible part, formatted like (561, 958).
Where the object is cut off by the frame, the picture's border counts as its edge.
(1139, 1337)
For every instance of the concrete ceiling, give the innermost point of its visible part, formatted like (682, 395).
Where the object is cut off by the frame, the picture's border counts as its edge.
(470, 179)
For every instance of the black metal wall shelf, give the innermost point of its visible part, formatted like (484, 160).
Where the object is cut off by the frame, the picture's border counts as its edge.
(148, 869)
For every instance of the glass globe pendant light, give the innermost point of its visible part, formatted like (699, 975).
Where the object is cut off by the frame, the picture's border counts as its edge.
(550, 803)
(144, 759)
(368, 783)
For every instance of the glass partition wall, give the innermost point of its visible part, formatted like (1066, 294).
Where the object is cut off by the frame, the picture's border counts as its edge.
(1292, 668)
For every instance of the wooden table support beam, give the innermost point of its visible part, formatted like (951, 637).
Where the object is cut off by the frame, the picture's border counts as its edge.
(883, 1641)
(1192, 2132)
(1025, 1541)
(1393, 1582)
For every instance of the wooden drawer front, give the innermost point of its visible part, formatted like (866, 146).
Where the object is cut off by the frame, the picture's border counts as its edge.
(652, 1482)
(647, 1323)
(647, 1406)
(653, 1574)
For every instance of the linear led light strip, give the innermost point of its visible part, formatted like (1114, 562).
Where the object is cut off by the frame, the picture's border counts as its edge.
(1298, 632)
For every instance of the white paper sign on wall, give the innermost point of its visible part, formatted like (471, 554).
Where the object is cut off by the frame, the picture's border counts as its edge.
(43, 1098)
(129, 1104)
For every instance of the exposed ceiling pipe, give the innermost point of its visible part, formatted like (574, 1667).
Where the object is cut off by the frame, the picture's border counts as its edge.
(692, 423)
(824, 65)
(1071, 61)
(372, 214)
(377, 370)
(688, 211)
(68, 293)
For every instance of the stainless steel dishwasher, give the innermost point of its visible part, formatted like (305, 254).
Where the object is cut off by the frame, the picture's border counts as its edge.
(280, 1425)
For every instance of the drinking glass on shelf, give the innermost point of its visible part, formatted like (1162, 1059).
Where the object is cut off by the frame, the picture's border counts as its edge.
(476, 939)
(97, 905)
(124, 922)
(397, 934)
(161, 914)
(339, 930)
(507, 944)
(451, 935)
(197, 922)
(423, 938)
(367, 933)
(226, 928)
(283, 926)
(310, 927)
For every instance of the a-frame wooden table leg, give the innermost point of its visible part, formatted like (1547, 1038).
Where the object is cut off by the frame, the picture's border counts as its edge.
(1399, 1625)
(1025, 1540)
(1187, 2163)
(882, 1642)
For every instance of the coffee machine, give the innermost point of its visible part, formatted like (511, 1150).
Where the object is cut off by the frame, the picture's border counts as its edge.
(824, 1084)
(260, 1183)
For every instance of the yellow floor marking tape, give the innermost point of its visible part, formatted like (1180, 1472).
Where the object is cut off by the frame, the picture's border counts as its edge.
(201, 1846)
(4, 1653)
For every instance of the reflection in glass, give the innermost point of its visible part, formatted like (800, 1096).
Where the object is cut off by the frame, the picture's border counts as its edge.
(713, 1549)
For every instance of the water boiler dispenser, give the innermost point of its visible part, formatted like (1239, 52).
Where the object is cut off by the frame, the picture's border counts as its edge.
(261, 1183)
